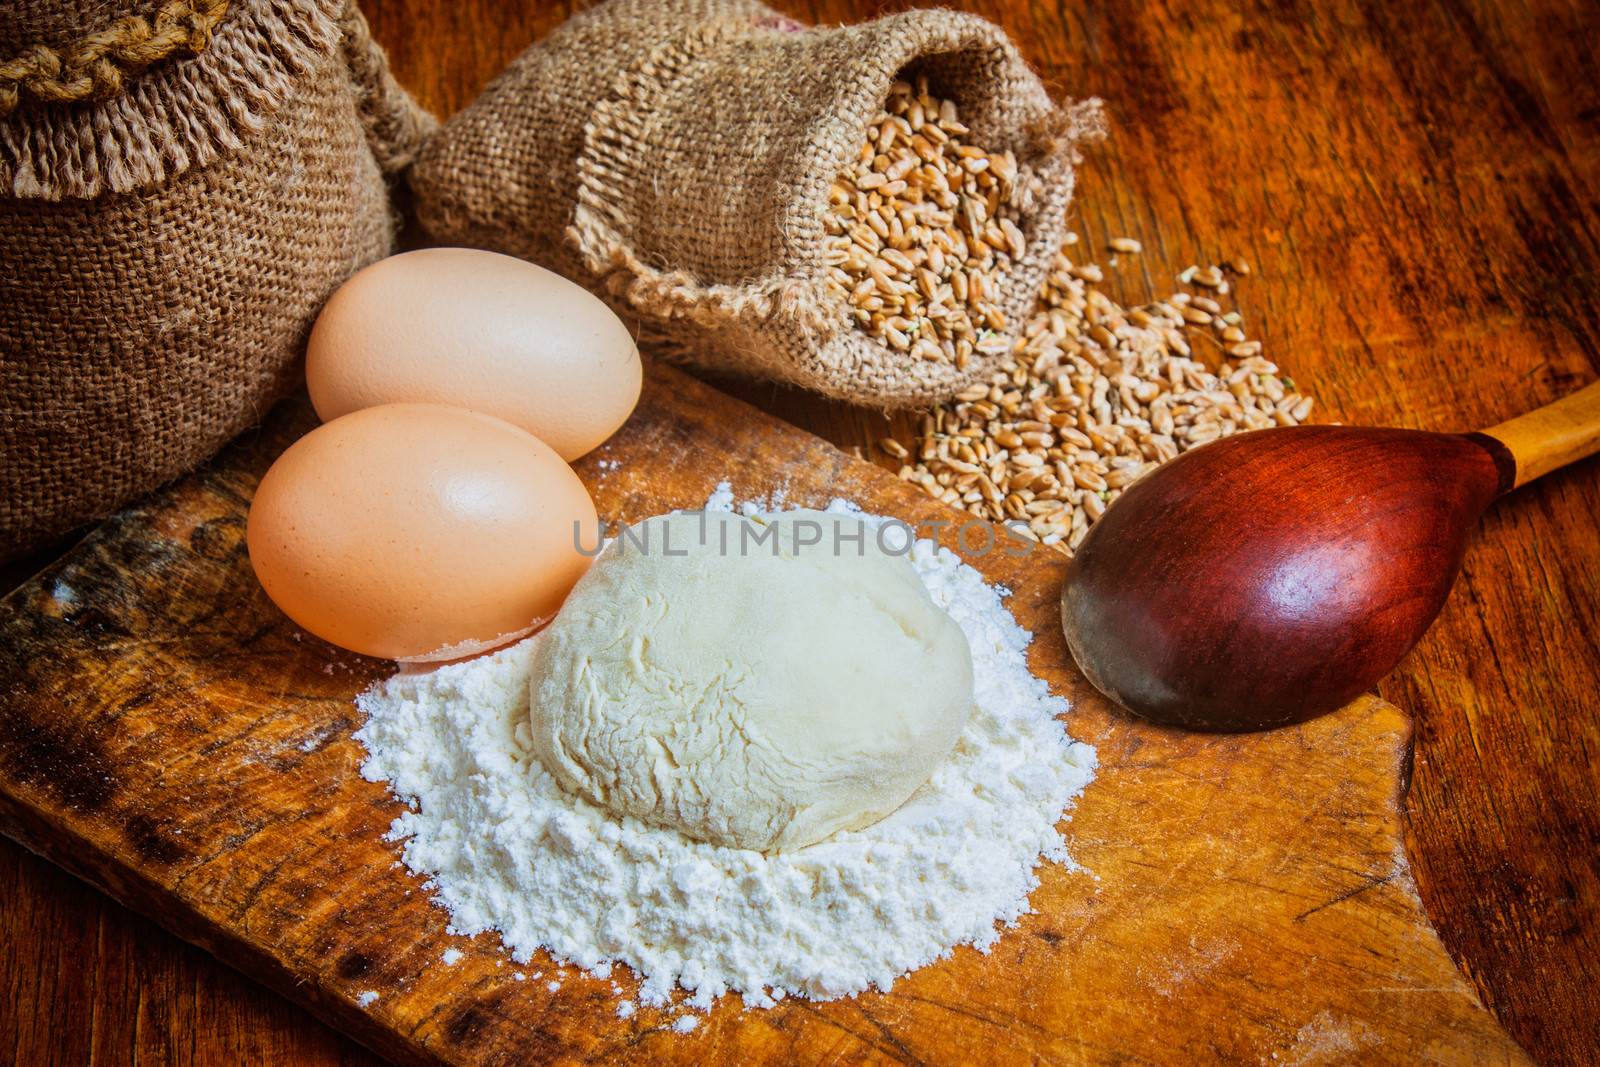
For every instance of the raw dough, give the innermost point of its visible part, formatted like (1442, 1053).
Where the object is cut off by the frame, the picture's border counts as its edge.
(746, 697)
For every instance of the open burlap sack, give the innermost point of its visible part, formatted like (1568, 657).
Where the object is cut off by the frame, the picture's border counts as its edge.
(676, 155)
(182, 184)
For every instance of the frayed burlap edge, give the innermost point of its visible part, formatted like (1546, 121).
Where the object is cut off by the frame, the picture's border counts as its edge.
(610, 137)
(397, 127)
(749, 328)
(175, 117)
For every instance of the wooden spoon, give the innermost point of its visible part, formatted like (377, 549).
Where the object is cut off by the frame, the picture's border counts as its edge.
(1272, 576)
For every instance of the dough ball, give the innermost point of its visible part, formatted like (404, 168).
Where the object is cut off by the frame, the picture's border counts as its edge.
(759, 699)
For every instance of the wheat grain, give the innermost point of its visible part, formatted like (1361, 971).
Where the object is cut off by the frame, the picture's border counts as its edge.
(1094, 395)
(919, 229)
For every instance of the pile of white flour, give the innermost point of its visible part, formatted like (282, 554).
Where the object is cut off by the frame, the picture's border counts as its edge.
(506, 849)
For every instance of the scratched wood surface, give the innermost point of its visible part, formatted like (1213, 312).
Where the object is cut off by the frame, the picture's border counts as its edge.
(1414, 183)
(169, 736)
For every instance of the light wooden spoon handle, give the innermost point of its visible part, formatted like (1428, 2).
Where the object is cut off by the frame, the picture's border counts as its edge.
(1552, 436)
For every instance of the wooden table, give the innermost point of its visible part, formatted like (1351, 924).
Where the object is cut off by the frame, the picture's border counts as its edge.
(1414, 184)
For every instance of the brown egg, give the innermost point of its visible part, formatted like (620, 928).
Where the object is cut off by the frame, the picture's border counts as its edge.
(419, 532)
(480, 331)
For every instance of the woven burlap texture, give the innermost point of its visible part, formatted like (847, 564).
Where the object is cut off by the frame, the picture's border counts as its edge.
(676, 155)
(163, 253)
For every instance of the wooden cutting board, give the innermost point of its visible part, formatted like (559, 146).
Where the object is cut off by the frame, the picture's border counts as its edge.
(166, 734)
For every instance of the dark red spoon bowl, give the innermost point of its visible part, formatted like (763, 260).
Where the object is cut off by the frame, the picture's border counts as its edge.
(1269, 577)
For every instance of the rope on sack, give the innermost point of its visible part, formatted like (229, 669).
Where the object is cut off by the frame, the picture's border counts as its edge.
(95, 67)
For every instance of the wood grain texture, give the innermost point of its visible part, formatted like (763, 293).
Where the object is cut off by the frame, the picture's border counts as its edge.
(1415, 185)
(170, 736)
(86, 981)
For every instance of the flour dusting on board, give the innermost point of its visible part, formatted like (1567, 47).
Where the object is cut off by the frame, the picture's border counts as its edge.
(506, 849)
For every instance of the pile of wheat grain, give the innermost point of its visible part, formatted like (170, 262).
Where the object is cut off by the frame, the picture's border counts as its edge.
(1096, 395)
(920, 226)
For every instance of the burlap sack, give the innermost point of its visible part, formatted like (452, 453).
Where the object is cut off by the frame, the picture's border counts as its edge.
(169, 228)
(676, 156)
